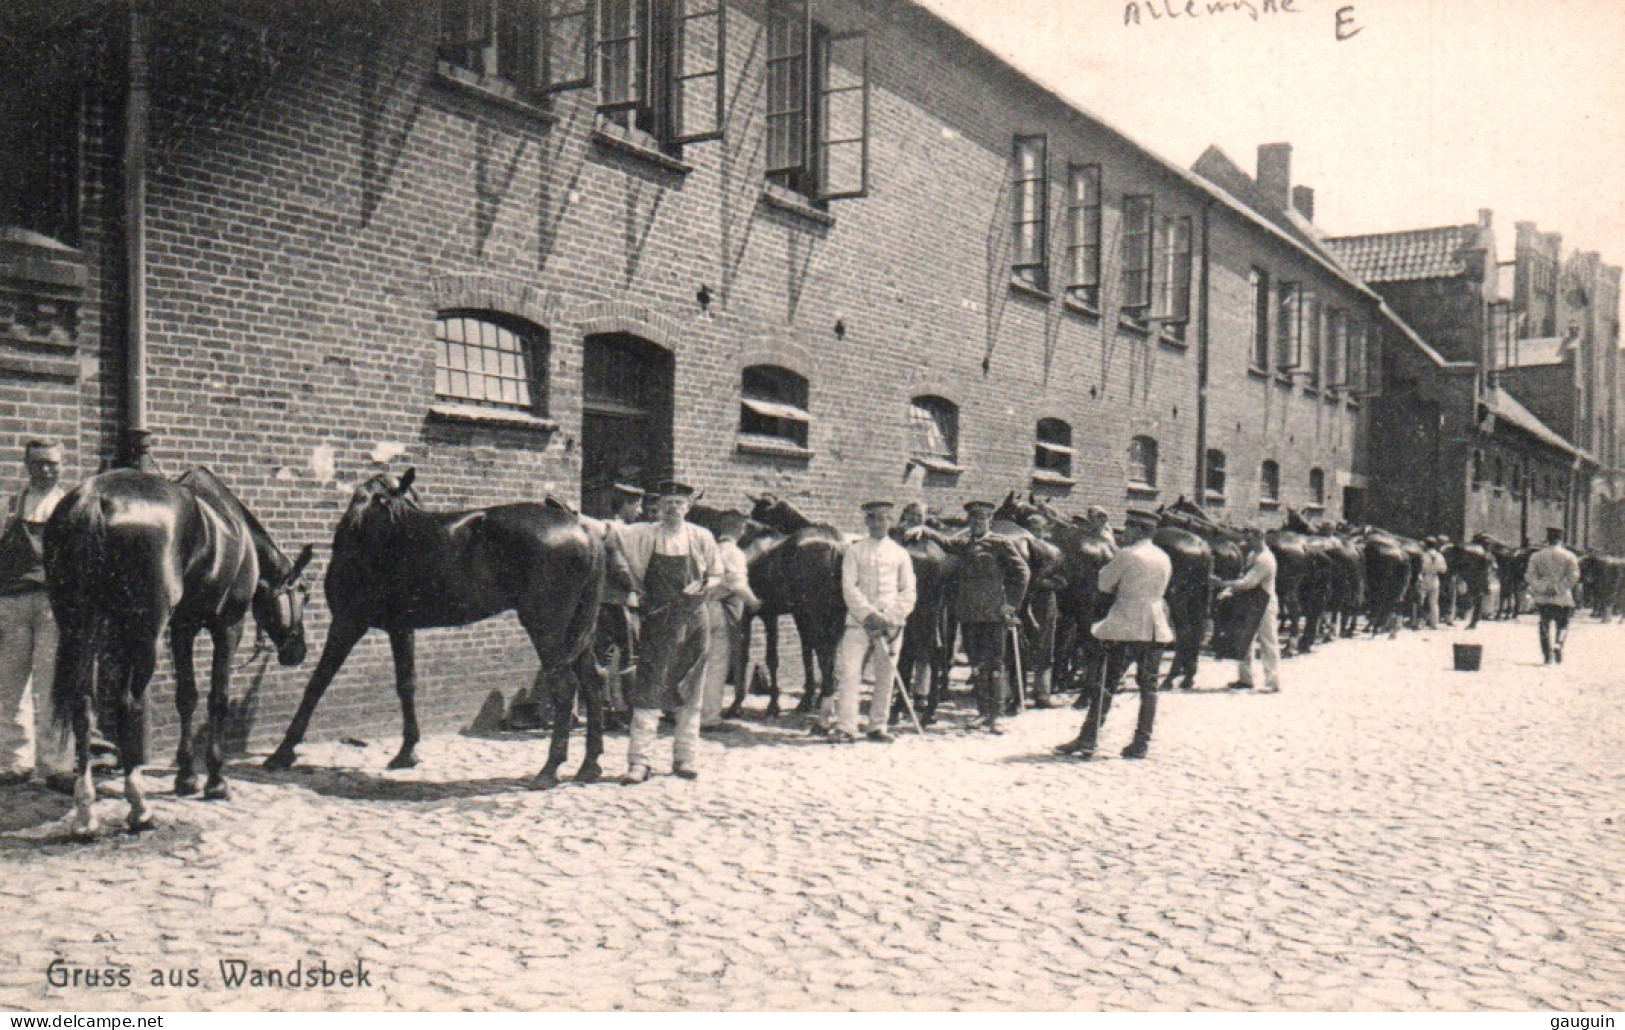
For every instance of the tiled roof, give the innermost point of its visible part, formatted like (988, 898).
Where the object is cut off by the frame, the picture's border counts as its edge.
(1402, 256)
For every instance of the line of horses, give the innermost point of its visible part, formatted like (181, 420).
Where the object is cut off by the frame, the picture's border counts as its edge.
(131, 557)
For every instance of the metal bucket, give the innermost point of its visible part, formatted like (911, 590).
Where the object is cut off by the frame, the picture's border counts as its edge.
(1469, 657)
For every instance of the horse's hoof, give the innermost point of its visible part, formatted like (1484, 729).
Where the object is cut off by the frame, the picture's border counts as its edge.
(404, 760)
(217, 792)
(544, 781)
(185, 786)
(734, 712)
(280, 759)
(588, 774)
(141, 824)
(772, 712)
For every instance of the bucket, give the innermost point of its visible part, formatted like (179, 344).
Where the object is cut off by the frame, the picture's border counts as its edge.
(1468, 657)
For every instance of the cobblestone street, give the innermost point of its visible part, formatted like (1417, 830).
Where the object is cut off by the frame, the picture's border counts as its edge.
(1384, 834)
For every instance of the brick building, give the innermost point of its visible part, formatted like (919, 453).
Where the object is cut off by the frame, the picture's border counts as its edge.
(1453, 450)
(832, 251)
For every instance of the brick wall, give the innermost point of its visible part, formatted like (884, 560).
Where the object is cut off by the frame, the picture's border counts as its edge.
(315, 199)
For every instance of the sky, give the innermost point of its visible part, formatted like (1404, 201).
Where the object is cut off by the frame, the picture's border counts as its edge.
(1428, 111)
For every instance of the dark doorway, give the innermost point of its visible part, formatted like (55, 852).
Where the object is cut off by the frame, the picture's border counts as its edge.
(626, 417)
(1353, 505)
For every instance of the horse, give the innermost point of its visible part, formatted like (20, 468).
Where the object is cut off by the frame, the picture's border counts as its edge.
(1303, 582)
(1388, 576)
(1470, 567)
(398, 568)
(1602, 582)
(798, 574)
(127, 556)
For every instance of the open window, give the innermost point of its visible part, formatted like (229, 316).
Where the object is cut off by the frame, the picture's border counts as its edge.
(1173, 279)
(1052, 453)
(933, 424)
(817, 105)
(1083, 234)
(1317, 489)
(1136, 257)
(773, 408)
(1142, 463)
(1215, 481)
(661, 67)
(1029, 262)
(1269, 484)
(1288, 326)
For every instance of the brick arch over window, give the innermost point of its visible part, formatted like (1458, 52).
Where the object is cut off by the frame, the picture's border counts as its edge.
(607, 317)
(781, 350)
(478, 292)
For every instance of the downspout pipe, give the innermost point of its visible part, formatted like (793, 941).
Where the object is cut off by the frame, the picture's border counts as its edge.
(136, 445)
(1202, 363)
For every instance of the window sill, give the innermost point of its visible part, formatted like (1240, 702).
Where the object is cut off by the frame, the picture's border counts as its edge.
(1045, 477)
(1022, 286)
(1255, 372)
(495, 91)
(1130, 324)
(1213, 497)
(1269, 505)
(776, 196)
(1311, 391)
(1332, 396)
(769, 445)
(1315, 509)
(1172, 342)
(1082, 307)
(637, 144)
(1143, 491)
(451, 411)
(937, 465)
(1284, 379)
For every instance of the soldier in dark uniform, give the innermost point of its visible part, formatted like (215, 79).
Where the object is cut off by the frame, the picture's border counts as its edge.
(990, 584)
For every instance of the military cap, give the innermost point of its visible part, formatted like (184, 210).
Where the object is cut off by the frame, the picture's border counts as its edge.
(628, 492)
(672, 488)
(869, 506)
(971, 507)
(1095, 511)
(42, 450)
(1140, 518)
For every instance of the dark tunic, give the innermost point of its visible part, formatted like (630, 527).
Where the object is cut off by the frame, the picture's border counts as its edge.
(671, 641)
(22, 554)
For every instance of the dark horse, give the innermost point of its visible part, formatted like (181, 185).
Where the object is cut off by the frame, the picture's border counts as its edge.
(128, 555)
(398, 568)
(799, 576)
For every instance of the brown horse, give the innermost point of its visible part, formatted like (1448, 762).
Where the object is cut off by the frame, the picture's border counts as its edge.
(798, 576)
(129, 555)
(399, 568)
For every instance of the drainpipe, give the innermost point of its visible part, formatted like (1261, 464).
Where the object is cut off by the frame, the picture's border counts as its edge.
(1202, 366)
(137, 442)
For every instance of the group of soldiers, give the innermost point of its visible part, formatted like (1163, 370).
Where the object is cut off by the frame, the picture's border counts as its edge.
(678, 596)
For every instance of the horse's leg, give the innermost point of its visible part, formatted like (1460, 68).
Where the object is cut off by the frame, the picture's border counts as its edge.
(812, 688)
(182, 638)
(342, 637)
(561, 691)
(592, 692)
(742, 683)
(406, 686)
(139, 659)
(225, 638)
(75, 661)
(770, 641)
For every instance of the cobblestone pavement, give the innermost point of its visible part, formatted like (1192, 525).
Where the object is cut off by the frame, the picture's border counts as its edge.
(1386, 833)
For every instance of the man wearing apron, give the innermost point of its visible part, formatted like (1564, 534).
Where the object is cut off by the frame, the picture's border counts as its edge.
(27, 630)
(677, 568)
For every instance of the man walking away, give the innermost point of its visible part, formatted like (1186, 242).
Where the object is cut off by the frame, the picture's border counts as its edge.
(1553, 574)
(1136, 628)
(1255, 590)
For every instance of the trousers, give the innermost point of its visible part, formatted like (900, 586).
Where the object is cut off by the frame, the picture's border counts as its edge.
(1269, 648)
(857, 647)
(29, 738)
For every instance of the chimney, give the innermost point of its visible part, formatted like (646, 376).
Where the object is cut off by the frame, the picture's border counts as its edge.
(1303, 201)
(1275, 173)
(1485, 217)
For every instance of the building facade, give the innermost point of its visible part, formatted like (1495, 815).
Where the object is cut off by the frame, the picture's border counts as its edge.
(830, 250)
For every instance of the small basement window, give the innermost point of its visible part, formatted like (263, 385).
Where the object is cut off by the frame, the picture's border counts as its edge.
(489, 360)
(773, 406)
(1052, 456)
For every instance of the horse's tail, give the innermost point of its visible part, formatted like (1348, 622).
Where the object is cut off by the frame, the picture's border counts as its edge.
(75, 574)
(584, 620)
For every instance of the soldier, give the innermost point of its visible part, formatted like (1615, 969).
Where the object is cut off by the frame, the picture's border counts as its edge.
(1257, 586)
(1043, 614)
(877, 583)
(990, 584)
(1097, 523)
(1552, 575)
(724, 654)
(28, 636)
(1138, 629)
(1433, 567)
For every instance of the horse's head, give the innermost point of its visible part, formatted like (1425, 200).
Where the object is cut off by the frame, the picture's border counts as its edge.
(384, 497)
(1188, 507)
(279, 608)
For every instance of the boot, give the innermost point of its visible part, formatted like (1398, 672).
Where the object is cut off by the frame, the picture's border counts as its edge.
(1041, 689)
(1142, 728)
(1084, 744)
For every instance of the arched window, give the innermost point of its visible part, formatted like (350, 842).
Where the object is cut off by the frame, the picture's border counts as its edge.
(1215, 475)
(491, 360)
(1317, 488)
(773, 405)
(1053, 453)
(1269, 483)
(933, 426)
(1142, 462)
